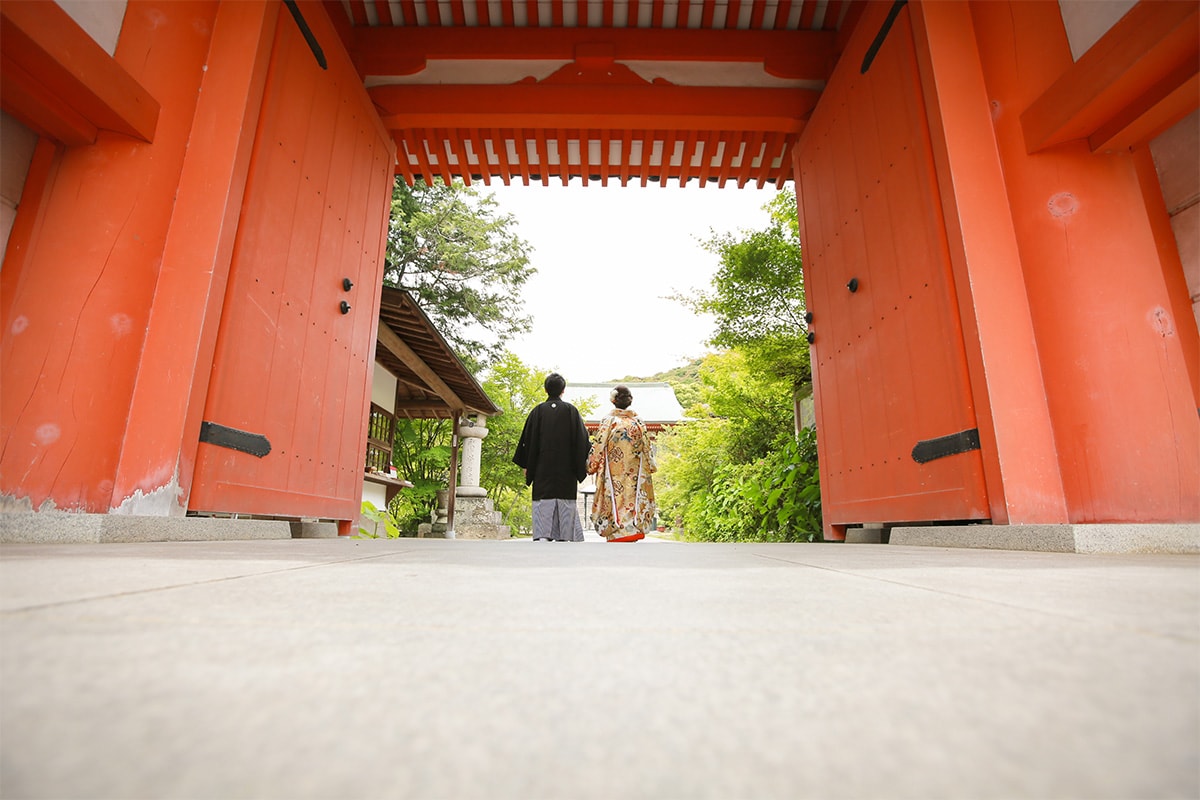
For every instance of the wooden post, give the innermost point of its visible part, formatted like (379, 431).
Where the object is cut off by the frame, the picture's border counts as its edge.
(452, 481)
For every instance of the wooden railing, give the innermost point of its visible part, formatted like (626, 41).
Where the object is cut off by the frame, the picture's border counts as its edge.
(380, 433)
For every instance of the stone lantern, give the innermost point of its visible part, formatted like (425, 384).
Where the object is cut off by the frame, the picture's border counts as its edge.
(474, 516)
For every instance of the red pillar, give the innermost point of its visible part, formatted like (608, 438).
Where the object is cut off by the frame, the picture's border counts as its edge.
(80, 274)
(1020, 461)
(159, 451)
(1116, 359)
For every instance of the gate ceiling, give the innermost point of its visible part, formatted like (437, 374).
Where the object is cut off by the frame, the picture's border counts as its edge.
(713, 91)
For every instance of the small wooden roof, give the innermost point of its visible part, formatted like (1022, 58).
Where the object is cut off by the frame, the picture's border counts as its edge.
(432, 382)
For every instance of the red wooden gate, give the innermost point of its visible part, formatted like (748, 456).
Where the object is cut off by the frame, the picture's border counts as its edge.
(890, 373)
(284, 423)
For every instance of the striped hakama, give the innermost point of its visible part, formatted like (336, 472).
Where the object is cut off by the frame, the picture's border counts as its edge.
(557, 520)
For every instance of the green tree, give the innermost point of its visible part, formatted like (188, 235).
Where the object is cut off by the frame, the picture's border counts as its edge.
(461, 259)
(421, 453)
(757, 295)
(743, 471)
(756, 405)
(737, 472)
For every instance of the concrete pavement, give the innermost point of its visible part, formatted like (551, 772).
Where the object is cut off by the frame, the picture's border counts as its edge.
(464, 669)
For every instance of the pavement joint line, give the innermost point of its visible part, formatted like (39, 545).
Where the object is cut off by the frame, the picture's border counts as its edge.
(131, 593)
(987, 601)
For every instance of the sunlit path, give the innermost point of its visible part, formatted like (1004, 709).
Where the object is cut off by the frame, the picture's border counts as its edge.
(443, 669)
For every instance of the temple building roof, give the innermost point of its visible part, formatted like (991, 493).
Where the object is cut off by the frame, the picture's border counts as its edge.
(655, 403)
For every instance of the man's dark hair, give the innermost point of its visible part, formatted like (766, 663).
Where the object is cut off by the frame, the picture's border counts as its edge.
(555, 384)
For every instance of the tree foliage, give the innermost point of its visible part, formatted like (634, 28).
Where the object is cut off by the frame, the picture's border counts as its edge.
(757, 295)
(737, 472)
(463, 262)
(740, 471)
(421, 453)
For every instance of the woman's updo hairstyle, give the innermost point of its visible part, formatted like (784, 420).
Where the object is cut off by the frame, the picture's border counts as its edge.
(620, 396)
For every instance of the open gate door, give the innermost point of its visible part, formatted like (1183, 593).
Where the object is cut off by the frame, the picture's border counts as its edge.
(896, 423)
(284, 429)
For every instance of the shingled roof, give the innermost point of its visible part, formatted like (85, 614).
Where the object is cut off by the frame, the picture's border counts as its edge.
(432, 382)
(655, 403)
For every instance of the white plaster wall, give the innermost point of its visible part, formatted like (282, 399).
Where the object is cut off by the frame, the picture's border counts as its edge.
(1186, 225)
(1087, 20)
(376, 493)
(1177, 159)
(383, 393)
(383, 388)
(16, 151)
(102, 19)
(1176, 151)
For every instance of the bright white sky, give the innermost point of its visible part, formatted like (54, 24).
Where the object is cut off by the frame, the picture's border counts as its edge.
(606, 259)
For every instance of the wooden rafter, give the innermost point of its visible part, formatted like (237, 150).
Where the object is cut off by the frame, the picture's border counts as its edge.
(58, 81)
(397, 347)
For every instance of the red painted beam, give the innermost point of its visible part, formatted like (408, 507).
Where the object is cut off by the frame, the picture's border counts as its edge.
(383, 12)
(358, 11)
(733, 12)
(564, 156)
(712, 144)
(1150, 53)
(500, 140)
(797, 55)
(543, 154)
(1164, 104)
(668, 150)
(833, 13)
(60, 82)
(808, 12)
(521, 144)
(479, 145)
(684, 13)
(541, 106)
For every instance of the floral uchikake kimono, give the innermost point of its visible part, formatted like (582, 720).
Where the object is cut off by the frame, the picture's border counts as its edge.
(622, 461)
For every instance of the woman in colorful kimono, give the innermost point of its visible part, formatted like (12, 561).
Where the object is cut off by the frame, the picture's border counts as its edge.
(622, 461)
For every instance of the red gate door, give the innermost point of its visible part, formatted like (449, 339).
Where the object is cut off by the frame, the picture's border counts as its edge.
(895, 418)
(284, 422)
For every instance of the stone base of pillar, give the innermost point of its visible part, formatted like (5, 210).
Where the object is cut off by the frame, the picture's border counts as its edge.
(431, 530)
(475, 518)
(1112, 537)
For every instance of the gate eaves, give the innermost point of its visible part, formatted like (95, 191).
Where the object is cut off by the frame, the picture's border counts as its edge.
(650, 92)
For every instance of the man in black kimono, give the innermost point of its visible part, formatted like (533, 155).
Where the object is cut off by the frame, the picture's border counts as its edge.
(553, 451)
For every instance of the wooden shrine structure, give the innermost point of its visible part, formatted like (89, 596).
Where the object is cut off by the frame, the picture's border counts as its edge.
(996, 257)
